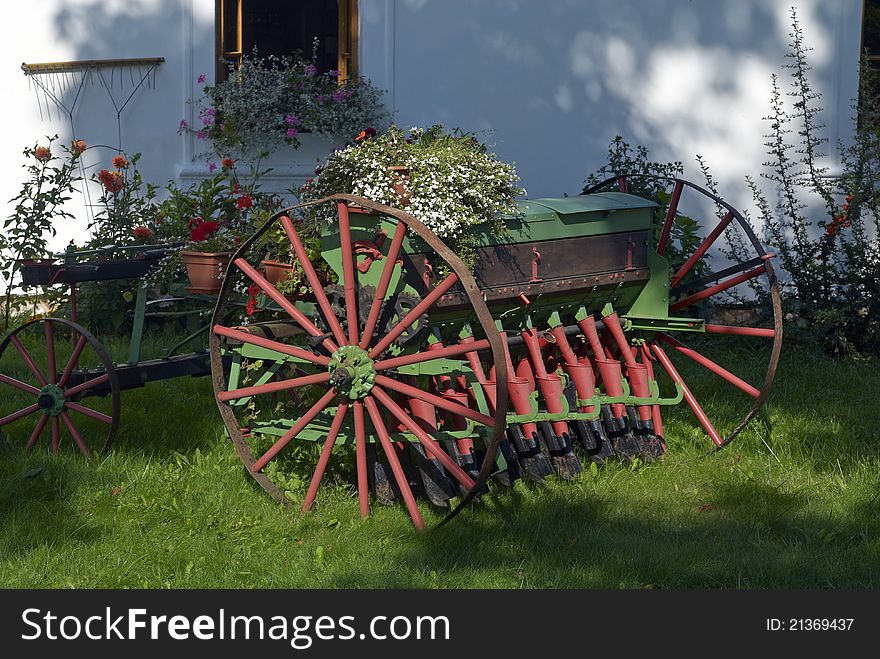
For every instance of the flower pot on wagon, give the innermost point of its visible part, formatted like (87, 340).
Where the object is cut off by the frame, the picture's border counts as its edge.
(275, 270)
(204, 270)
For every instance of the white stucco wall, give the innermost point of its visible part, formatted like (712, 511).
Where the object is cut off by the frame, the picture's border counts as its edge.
(552, 81)
(555, 80)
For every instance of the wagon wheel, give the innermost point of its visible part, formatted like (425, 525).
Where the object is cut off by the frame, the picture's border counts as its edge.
(693, 294)
(354, 366)
(50, 390)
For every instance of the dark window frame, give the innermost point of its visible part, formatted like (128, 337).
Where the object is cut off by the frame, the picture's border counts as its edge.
(347, 36)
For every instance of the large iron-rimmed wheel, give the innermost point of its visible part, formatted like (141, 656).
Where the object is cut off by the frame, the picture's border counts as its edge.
(341, 373)
(698, 291)
(58, 377)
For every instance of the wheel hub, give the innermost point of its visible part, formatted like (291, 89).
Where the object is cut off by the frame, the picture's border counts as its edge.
(351, 372)
(51, 399)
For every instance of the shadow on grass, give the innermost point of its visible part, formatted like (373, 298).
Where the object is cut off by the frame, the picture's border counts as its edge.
(36, 492)
(751, 536)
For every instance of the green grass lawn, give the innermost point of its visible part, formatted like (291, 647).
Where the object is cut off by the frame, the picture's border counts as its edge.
(791, 503)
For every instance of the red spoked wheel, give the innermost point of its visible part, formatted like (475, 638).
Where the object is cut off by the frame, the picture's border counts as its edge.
(338, 367)
(51, 367)
(700, 289)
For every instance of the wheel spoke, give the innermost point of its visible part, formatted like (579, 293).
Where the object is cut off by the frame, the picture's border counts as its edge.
(399, 476)
(688, 396)
(305, 420)
(82, 409)
(12, 382)
(429, 355)
(348, 273)
(56, 435)
(281, 385)
(73, 361)
(718, 288)
(670, 216)
(382, 288)
(436, 401)
(25, 355)
(430, 444)
(312, 277)
(283, 302)
(38, 430)
(764, 332)
(15, 416)
(88, 384)
(360, 437)
(269, 344)
(702, 249)
(75, 434)
(719, 274)
(707, 363)
(50, 352)
(414, 314)
(324, 458)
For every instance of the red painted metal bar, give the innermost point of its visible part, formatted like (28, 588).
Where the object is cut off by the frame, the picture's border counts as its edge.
(718, 288)
(429, 355)
(283, 302)
(430, 444)
(12, 382)
(414, 313)
(670, 217)
(360, 437)
(702, 249)
(82, 409)
(588, 325)
(293, 351)
(436, 401)
(38, 430)
(73, 361)
(764, 332)
(313, 280)
(88, 384)
(717, 369)
(281, 385)
(348, 273)
(303, 421)
(688, 396)
(324, 458)
(399, 476)
(56, 435)
(473, 358)
(50, 351)
(15, 416)
(530, 338)
(562, 343)
(382, 287)
(656, 415)
(25, 355)
(75, 434)
(612, 322)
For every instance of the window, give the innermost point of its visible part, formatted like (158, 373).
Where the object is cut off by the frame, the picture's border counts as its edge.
(281, 27)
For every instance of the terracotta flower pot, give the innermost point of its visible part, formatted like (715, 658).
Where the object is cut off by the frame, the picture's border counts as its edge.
(204, 270)
(276, 271)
